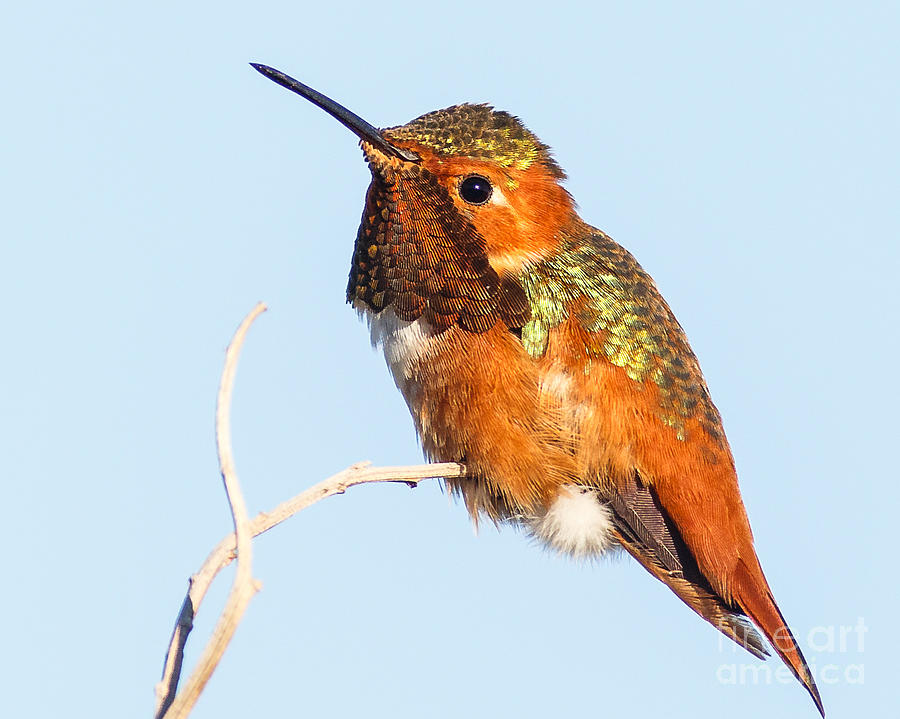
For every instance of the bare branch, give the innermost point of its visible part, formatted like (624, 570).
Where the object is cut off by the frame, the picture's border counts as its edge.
(243, 588)
(170, 706)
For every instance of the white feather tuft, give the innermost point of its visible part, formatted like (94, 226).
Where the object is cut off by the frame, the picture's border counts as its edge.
(577, 524)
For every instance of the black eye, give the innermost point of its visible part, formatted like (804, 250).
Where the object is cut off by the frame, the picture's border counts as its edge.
(475, 189)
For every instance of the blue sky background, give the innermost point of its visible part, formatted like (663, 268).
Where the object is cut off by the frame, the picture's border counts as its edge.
(154, 187)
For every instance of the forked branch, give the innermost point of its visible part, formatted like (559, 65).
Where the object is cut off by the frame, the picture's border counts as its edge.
(238, 545)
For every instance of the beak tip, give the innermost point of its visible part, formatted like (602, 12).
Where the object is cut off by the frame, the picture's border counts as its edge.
(262, 69)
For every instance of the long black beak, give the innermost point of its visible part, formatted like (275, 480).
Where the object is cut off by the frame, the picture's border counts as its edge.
(350, 120)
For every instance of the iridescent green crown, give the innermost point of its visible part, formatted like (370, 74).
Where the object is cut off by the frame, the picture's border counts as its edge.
(479, 132)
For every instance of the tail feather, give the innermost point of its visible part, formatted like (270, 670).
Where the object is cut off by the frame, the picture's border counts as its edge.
(752, 594)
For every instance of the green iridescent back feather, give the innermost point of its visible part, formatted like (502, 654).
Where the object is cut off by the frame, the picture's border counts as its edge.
(629, 323)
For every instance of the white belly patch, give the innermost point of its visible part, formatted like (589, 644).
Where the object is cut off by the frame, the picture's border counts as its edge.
(403, 342)
(577, 524)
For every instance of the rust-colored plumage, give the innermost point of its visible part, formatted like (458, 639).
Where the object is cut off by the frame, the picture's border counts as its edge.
(536, 350)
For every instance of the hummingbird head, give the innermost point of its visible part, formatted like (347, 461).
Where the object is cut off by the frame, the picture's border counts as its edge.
(499, 176)
(461, 200)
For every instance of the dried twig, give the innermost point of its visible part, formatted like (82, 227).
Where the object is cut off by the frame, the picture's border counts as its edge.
(237, 545)
(243, 588)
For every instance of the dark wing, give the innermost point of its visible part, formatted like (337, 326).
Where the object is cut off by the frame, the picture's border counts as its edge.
(649, 536)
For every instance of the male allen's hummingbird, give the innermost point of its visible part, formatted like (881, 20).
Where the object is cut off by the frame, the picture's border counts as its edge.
(536, 351)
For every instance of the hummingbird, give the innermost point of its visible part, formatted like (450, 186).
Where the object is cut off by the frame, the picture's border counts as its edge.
(535, 350)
